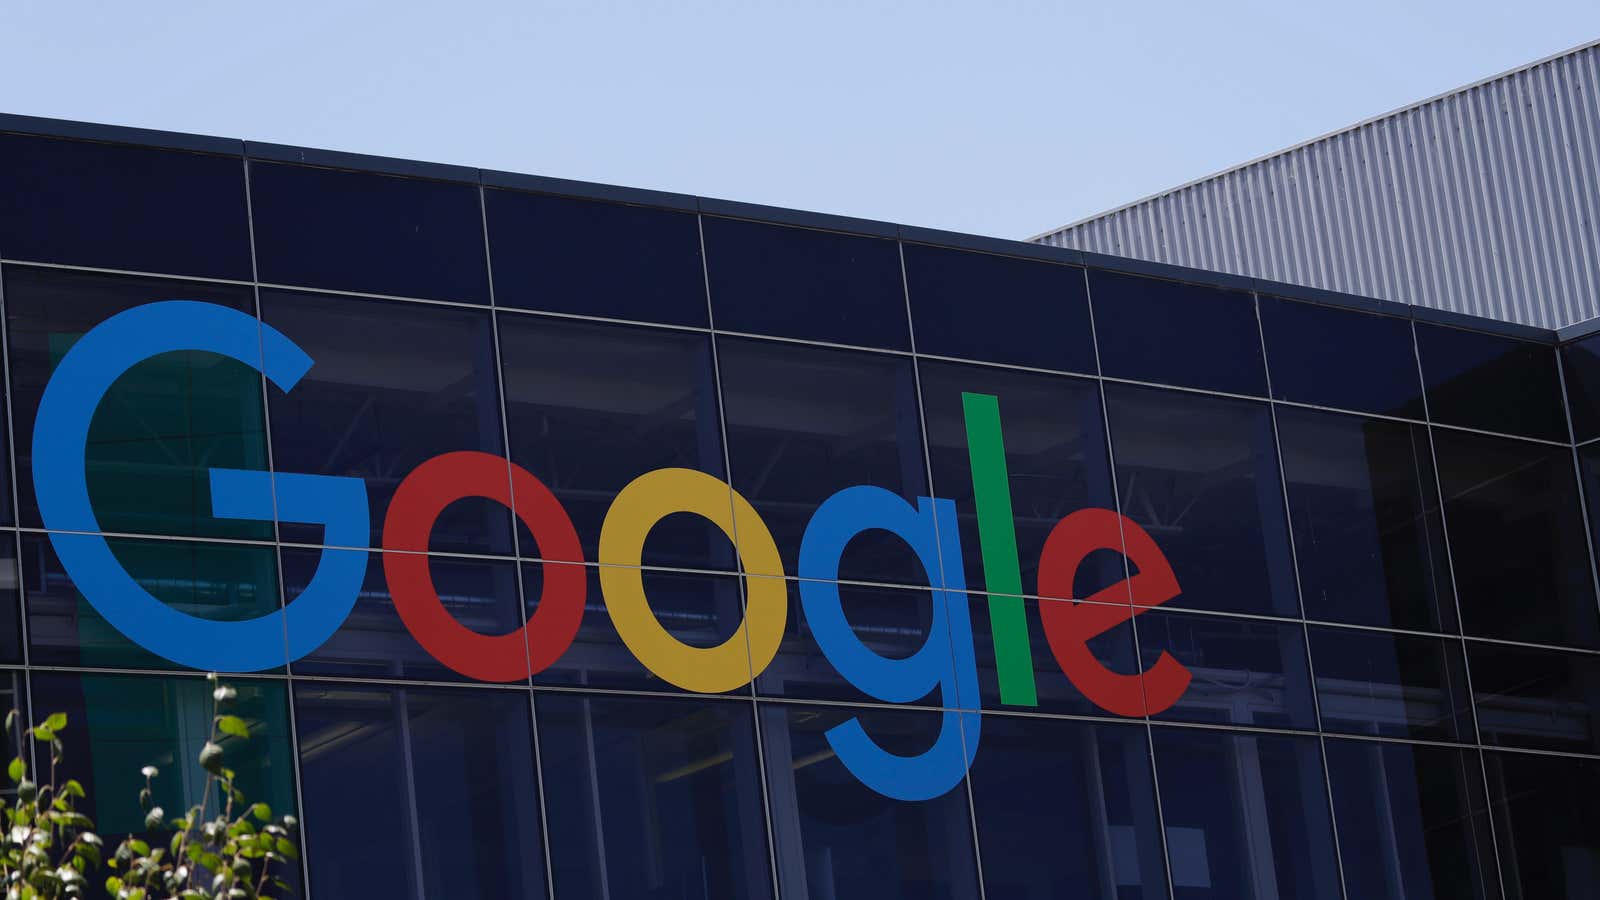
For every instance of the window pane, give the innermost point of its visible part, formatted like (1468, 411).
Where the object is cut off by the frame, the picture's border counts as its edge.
(419, 792)
(800, 283)
(805, 422)
(999, 308)
(10, 602)
(1246, 816)
(1491, 382)
(1055, 454)
(1581, 362)
(373, 642)
(1545, 824)
(1516, 530)
(1393, 685)
(655, 798)
(1056, 693)
(595, 259)
(361, 231)
(1200, 474)
(1067, 809)
(592, 407)
(1246, 671)
(700, 609)
(392, 385)
(1412, 822)
(1310, 350)
(161, 427)
(1365, 509)
(1542, 699)
(121, 207)
(118, 724)
(214, 581)
(836, 837)
(1169, 332)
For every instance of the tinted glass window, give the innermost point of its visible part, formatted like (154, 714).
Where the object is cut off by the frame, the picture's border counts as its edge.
(1067, 809)
(1200, 474)
(1053, 437)
(360, 231)
(656, 798)
(215, 581)
(1394, 685)
(805, 422)
(121, 207)
(1340, 358)
(418, 792)
(595, 259)
(1581, 361)
(392, 384)
(1495, 383)
(592, 407)
(161, 427)
(1367, 535)
(10, 603)
(1516, 531)
(1174, 333)
(1055, 692)
(118, 724)
(373, 642)
(700, 609)
(1545, 824)
(1223, 795)
(1246, 671)
(999, 309)
(1542, 699)
(835, 837)
(1412, 821)
(799, 283)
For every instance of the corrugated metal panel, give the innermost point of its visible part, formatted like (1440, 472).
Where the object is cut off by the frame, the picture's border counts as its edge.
(1485, 200)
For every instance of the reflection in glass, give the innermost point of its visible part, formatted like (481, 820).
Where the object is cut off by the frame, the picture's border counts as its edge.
(801, 283)
(654, 798)
(1169, 332)
(1200, 474)
(1545, 824)
(1412, 822)
(361, 231)
(1056, 457)
(1246, 816)
(216, 581)
(1393, 685)
(1114, 649)
(1246, 671)
(394, 384)
(999, 309)
(1516, 538)
(805, 422)
(592, 407)
(1365, 511)
(161, 427)
(837, 838)
(1067, 809)
(373, 642)
(419, 792)
(891, 622)
(1491, 382)
(1531, 697)
(1581, 363)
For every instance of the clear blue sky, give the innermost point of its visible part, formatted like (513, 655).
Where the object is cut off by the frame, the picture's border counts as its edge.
(1004, 117)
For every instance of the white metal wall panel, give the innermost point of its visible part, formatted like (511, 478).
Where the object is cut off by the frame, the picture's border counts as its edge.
(1484, 201)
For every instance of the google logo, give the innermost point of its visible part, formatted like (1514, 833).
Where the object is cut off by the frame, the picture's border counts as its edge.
(338, 504)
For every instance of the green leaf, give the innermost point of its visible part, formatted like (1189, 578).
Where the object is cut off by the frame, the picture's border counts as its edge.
(44, 733)
(233, 725)
(56, 721)
(17, 770)
(211, 758)
(262, 812)
(139, 847)
(72, 788)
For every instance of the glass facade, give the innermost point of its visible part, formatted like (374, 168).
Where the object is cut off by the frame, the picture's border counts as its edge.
(1380, 629)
